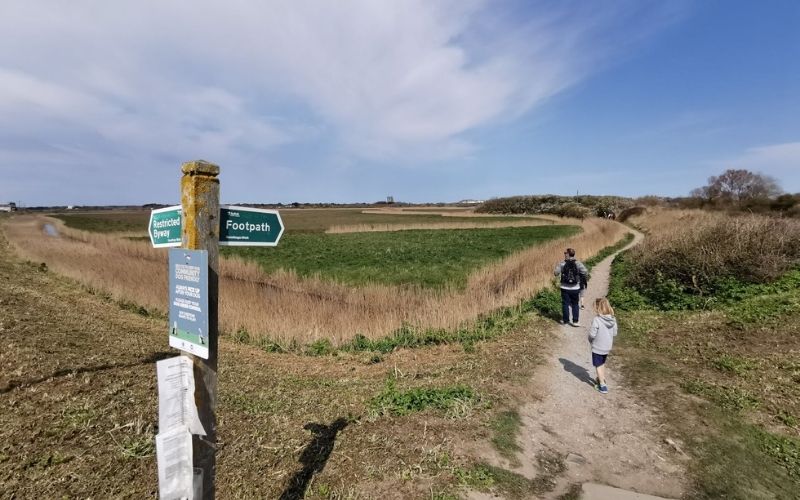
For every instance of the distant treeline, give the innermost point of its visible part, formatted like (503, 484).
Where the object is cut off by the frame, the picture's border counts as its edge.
(782, 205)
(152, 206)
(564, 206)
(787, 205)
(740, 190)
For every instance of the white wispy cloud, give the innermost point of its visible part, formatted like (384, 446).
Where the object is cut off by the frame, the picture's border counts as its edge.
(781, 161)
(233, 80)
(773, 158)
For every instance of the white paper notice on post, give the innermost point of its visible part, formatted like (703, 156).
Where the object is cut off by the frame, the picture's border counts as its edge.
(176, 406)
(174, 456)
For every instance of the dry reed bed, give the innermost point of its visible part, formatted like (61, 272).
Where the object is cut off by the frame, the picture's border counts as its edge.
(284, 307)
(367, 228)
(444, 212)
(471, 214)
(697, 246)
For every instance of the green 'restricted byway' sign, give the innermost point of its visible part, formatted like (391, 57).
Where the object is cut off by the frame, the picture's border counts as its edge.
(165, 227)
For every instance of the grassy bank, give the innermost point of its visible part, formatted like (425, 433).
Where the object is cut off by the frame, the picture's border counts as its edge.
(721, 365)
(80, 415)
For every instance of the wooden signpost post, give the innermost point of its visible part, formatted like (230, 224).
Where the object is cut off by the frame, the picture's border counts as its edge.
(200, 231)
(199, 225)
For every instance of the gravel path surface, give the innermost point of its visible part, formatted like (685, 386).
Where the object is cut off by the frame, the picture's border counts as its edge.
(610, 439)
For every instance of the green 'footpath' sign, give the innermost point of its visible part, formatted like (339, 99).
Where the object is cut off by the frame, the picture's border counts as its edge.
(238, 226)
(165, 227)
(251, 227)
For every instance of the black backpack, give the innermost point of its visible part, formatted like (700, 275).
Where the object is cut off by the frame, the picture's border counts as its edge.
(569, 273)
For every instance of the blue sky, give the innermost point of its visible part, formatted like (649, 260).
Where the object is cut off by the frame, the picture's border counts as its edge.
(310, 101)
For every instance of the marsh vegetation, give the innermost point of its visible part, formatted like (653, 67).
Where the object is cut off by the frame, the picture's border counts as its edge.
(468, 273)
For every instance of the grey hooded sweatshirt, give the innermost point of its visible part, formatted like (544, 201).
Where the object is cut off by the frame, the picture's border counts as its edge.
(602, 333)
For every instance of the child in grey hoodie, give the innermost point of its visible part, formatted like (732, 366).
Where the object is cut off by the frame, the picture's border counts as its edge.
(601, 336)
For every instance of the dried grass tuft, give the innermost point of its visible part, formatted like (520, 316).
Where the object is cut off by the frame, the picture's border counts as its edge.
(696, 248)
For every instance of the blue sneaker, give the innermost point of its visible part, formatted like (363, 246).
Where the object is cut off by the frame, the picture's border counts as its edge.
(603, 389)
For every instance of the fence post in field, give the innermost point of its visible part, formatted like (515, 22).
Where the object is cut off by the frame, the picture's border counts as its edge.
(200, 231)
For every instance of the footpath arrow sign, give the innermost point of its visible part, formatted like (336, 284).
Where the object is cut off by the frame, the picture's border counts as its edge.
(251, 227)
(165, 227)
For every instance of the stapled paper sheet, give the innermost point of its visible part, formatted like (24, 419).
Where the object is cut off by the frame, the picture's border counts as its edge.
(176, 406)
(175, 473)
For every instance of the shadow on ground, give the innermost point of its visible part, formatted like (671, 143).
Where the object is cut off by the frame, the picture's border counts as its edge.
(578, 371)
(13, 384)
(314, 457)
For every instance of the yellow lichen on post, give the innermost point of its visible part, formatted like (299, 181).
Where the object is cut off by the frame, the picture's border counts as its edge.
(199, 185)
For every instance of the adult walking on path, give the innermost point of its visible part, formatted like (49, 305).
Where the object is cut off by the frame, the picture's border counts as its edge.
(572, 272)
(608, 443)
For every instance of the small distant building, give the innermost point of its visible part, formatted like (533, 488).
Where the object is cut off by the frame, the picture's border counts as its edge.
(390, 199)
(10, 207)
(470, 202)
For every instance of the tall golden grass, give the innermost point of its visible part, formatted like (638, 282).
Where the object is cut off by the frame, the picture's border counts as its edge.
(443, 211)
(697, 247)
(366, 228)
(284, 307)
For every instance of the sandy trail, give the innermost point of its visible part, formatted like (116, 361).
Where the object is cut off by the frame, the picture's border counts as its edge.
(610, 439)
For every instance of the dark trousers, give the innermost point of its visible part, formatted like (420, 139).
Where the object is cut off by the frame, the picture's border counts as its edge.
(570, 299)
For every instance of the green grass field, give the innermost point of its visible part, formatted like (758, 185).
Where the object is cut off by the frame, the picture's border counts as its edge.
(430, 258)
(310, 220)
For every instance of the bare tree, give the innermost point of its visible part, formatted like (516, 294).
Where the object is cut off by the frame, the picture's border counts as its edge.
(736, 186)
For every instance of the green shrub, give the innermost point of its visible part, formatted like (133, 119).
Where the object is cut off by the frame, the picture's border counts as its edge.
(408, 336)
(564, 206)
(763, 310)
(783, 449)
(241, 335)
(729, 398)
(630, 212)
(733, 364)
(572, 210)
(455, 400)
(546, 302)
(321, 347)
(620, 293)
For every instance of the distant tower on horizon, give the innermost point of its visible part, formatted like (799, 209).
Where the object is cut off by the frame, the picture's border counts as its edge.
(390, 199)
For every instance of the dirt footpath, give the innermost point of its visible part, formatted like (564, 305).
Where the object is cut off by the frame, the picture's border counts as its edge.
(611, 439)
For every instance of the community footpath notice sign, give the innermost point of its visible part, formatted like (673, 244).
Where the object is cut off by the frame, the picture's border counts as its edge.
(252, 227)
(165, 227)
(188, 301)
